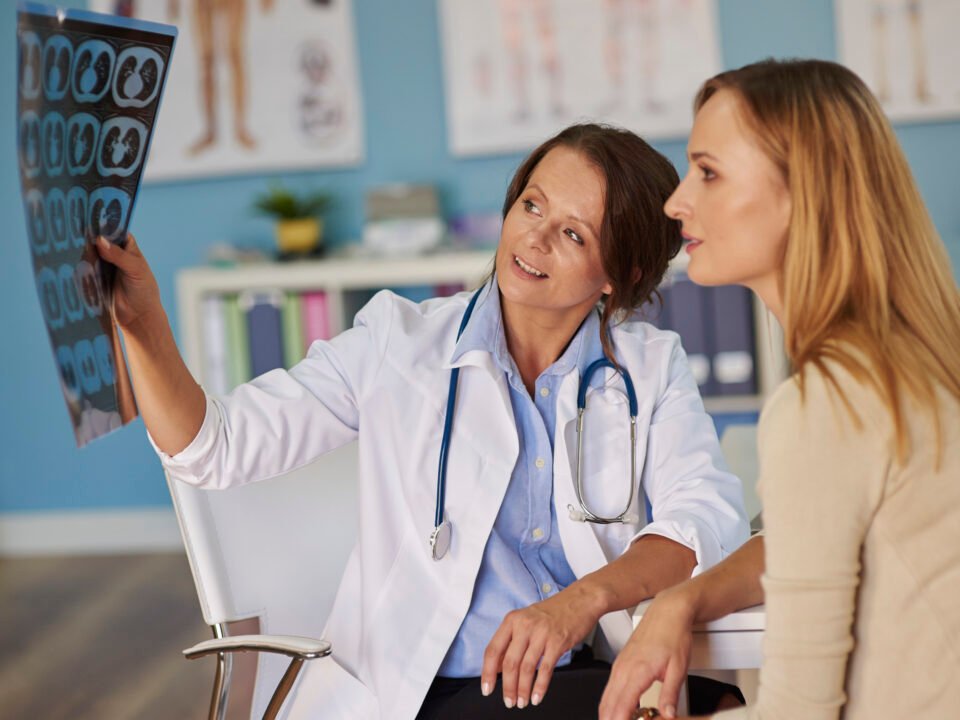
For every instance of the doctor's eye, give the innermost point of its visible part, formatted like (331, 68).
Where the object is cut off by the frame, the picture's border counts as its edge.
(531, 207)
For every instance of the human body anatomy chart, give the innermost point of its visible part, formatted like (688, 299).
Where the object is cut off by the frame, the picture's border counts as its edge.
(87, 97)
(906, 51)
(517, 71)
(258, 85)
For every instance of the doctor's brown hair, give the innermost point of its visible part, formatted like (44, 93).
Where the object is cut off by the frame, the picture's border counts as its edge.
(637, 241)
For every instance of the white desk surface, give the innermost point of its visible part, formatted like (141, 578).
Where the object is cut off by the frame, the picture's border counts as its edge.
(746, 620)
(733, 642)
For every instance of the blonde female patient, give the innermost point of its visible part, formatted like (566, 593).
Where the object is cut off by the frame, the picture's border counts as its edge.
(798, 189)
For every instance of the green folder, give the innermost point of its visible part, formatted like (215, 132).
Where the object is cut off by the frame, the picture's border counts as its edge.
(291, 314)
(238, 344)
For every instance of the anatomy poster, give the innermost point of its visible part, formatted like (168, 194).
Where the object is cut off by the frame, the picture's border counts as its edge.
(516, 71)
(88, 91)
(257, 85)
(906, 51)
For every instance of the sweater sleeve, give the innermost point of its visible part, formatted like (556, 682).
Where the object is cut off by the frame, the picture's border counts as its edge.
(822, 475)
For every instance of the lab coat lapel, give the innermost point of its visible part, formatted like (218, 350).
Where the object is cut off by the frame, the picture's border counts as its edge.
(483, 452)
(582, 543)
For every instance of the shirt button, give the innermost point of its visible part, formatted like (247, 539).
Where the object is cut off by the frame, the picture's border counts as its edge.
(540, 463)
(537, 533)
(546, 587)
(544, 392)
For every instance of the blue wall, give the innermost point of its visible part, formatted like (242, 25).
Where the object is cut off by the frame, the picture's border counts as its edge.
(40, 468)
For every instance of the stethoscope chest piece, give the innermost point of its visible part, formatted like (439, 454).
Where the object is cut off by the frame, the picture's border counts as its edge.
(440, 539)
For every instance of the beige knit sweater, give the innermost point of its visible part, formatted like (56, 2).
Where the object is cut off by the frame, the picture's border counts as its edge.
(862, 576)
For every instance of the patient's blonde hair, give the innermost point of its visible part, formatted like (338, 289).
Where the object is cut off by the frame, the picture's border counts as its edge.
(864, 266)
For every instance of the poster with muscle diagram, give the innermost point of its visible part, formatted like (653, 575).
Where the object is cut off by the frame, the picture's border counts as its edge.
(88, 91)
(257, 86)
(516, 71)
(906, 51)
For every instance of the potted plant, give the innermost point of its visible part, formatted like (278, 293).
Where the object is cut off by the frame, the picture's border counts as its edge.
(299, 225)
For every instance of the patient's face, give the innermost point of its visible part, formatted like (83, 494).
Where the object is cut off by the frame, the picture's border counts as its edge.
(733, 203)
(549, 258)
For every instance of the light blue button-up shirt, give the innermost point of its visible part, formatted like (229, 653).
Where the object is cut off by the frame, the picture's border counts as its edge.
(523, 561)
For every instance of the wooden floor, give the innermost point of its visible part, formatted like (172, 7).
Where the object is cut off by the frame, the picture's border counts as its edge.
(100, 637)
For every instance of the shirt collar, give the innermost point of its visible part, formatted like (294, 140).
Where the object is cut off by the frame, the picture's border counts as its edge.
(484, 333)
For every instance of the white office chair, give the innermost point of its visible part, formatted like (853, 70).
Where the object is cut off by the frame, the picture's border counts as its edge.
(274, 551)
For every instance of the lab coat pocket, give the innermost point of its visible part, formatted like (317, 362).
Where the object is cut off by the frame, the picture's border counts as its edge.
(327, 690)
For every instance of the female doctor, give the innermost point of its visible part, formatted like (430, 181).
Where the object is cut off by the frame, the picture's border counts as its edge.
(492, 540)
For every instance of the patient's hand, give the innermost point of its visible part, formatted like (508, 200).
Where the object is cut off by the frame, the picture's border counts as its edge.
(659, 649)
(537, 635)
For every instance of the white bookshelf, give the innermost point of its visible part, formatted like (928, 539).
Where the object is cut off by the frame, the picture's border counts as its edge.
(345, 278)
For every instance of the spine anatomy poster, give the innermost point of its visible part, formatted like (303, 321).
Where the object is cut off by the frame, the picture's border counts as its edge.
(88, 91)
(516, 71)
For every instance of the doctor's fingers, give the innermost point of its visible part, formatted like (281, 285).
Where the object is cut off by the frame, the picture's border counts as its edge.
(539, 654)
(513, 667)
(493, 656)
(128, 259)
(545, 673)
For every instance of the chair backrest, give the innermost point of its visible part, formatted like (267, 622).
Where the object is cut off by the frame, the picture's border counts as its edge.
(739, 446)
(274, 550)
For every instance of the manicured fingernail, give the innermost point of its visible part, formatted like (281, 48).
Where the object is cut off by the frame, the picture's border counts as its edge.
(521, 703)
(535, 700)
(508, 702)
(669, 711)
(486, 689)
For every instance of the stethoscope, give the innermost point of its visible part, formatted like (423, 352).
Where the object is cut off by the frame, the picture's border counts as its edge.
(443, 530)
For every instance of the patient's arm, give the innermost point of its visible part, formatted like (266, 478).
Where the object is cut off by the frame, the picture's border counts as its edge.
(659, 648)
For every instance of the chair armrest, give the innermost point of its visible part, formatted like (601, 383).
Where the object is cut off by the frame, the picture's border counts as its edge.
(297, 647)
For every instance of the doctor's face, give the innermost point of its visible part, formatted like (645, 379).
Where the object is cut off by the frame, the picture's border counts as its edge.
(733, 204)
(549, 258)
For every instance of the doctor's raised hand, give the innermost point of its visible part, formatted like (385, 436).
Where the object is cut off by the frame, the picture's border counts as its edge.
(501, 541)
(171, 402)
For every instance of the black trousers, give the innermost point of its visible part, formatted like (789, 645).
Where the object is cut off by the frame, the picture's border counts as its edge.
(574, 694)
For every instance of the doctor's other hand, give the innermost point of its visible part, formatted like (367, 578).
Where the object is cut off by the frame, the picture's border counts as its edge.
(529, 642)
(659, 649)
(135, 291)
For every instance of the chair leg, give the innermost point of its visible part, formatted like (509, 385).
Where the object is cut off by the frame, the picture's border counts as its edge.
(221, 681)
(283, 689)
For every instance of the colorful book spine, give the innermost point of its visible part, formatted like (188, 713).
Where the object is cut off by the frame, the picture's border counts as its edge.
(238, 344)
(293, 335)
(216, 362)
(688, 318)
(732, 346)
(316, 317)
(264, 327)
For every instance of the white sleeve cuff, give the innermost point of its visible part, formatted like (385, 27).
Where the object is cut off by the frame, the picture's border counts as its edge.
(201, 444)
(688, 533)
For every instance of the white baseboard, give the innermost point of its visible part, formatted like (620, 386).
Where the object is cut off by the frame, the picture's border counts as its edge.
(89, 532)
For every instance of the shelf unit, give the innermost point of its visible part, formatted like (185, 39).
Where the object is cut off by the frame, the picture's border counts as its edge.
(349, 278)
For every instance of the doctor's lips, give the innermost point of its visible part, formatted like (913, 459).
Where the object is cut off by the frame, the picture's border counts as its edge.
(528, 269)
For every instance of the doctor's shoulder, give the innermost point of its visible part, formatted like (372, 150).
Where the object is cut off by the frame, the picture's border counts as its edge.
(427, 323)
(647, 349)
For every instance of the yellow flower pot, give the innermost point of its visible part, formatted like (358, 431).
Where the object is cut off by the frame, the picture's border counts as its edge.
(299, 236)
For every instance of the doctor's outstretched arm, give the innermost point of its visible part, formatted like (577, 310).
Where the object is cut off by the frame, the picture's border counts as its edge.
(171, 402)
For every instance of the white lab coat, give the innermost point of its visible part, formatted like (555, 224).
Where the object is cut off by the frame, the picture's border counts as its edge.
(397, 610)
